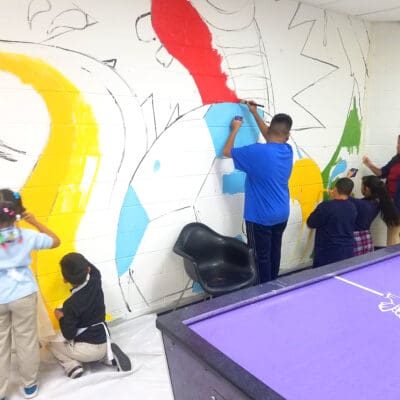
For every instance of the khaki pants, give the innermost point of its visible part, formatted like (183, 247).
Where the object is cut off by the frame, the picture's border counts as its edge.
(18, 319)
(71, 354)
(393, 235)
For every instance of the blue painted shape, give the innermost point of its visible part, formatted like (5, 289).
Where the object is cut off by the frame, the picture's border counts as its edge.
(234, 182)
(156, 166)
(218, 119)
(340, 167)
(133, 221)
(196, 288)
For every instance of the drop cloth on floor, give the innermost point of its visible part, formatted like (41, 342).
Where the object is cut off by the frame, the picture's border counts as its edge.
(149, 380)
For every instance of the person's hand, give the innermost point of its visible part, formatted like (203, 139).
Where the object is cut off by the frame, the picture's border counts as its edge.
(30, 218)
(252, 106)
(236, 124)
(58, 314)
(366, 161)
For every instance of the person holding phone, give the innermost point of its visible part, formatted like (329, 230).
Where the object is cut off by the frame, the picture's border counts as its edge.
(390, 172)
(376, 200)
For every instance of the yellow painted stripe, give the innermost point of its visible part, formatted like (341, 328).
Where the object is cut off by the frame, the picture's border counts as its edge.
(59, 187)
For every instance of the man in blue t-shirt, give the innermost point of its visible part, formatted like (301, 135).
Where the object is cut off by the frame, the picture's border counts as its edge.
(268, 167)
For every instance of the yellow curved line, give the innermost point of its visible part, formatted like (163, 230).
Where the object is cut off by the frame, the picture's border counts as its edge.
(305, 186)
(59, 187)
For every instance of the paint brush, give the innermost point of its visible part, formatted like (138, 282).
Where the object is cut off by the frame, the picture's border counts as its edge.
(241, 101)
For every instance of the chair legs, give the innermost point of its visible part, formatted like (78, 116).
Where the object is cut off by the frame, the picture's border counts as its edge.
(182, 293)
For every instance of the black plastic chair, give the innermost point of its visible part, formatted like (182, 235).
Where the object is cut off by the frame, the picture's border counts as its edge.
(220, 264)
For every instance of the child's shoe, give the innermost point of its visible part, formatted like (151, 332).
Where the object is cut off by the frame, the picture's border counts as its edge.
(76, 372)
(31, 391)
(121, 360)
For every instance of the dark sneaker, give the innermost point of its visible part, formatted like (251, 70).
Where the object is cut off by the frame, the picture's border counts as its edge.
(31, 391)
(121, 360)
(76, 372)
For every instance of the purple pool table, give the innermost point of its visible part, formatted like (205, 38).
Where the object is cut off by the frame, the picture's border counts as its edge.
(323, 334)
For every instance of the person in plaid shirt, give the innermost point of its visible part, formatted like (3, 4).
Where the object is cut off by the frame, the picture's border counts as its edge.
(376, 200)
(390, 172)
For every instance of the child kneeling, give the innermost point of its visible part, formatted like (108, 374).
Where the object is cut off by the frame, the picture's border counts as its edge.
(82, 321)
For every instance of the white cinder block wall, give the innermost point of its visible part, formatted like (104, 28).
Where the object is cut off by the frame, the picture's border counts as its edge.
(383, 91)
(106, 130)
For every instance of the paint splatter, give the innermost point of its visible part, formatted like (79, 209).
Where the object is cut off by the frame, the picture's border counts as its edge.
(305, 185)
(156, 166)
(350, 140)
(54, 190)
(186, 36)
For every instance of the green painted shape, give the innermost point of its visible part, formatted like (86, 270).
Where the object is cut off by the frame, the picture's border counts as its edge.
(350, 140)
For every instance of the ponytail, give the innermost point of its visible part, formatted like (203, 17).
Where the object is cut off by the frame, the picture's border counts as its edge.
(378, 190)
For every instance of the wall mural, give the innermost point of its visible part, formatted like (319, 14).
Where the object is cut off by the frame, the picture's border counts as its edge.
(113, 122)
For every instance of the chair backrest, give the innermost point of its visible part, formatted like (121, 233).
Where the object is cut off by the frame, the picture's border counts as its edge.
(220, 264)
(198, 242)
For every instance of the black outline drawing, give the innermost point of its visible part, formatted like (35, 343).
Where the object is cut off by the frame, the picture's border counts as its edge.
(89, 21)
(5, 153)
(30, 17)
(138, 20)
(258, 50)
(334, 67)
(146, 17)
(111, 62)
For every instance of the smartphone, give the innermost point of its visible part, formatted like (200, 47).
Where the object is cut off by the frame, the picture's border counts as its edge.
(353, 172)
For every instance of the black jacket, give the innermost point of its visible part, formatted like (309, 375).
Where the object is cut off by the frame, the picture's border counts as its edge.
(83, 309)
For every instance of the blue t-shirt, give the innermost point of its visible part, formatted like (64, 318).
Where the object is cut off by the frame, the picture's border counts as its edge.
(16, 278)
(268, 168)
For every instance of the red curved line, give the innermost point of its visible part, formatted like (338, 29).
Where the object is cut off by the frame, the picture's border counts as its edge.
(187, 38)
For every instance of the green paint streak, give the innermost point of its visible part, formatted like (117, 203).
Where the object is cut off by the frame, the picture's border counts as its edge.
(350, 140)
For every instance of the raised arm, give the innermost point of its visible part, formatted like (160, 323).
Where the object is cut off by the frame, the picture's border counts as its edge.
(30, 218)
(368, 163)
(235, 126)
(316, 218)
(260, 122)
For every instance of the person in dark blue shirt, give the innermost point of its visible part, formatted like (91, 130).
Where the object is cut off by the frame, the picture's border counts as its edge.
(376, 199)
(334, 221)
(268, 167)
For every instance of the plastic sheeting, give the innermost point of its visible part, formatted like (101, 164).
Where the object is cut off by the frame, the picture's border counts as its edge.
(149, 380)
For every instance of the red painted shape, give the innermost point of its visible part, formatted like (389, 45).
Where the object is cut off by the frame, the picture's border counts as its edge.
(187, 38)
